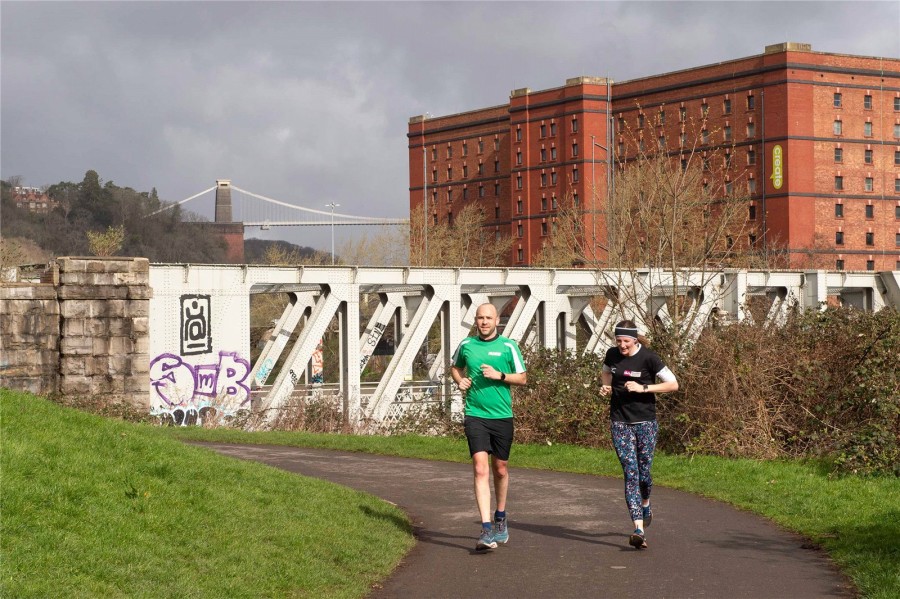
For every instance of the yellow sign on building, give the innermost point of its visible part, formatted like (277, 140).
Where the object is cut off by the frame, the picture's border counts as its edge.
(777, 167)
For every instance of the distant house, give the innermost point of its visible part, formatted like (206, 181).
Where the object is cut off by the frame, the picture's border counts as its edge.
(33, 199)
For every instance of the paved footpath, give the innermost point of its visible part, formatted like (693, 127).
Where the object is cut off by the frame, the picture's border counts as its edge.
(568, 536)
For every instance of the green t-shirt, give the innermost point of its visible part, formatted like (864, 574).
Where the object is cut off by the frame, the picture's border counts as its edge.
(487, 398)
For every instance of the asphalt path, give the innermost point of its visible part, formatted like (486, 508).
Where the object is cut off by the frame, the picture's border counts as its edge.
(568, 536)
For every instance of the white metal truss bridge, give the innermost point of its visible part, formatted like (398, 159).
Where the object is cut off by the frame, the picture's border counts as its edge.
(200, 323)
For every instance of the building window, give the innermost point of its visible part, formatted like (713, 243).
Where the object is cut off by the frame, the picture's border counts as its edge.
(870, 238)
(621, 124)
(839, 265)
(897, 131)
(704, 136)
(868, 156)
(727, 133)
(434, 153)
(496, 211)
(543, 154)
(896, 185)
(496, 189)
(640, 121)
(867, 129)
(480, 168)
(838, 155)
(751, 102)
(518, 181)
(662, 142)
(544, 229)
(520, 255)
(519, 157)
(896, 211)
(434, 176)
(896, 157)
(870, 265)
(481, 191)
(496, 144)
(870, 183)
(574, 200)
(662, 116)
(554, 205)
(867, 102)
(449, 151)
(838, 99)
(838, 183)
(450, 219)
(465, 149)
(870, 211)
(553, 178)
(751, 185)
(704, 110)
(897, 103)
(543, 130)
(897, 239)
(449, 196)
(752, 239)
(480, 146)
(727, 106)
(543, 204)
(434, 220)
(839, 211)
(449, 172)
(728, 160)
(465, 171)
(543, 179)
(497, 165)
(553, 153)
(519, 208)
(520, 230)
(465, 195)
(682, 114)
(751, 129)
(575, 149)
(552, 128)
(752, 214)
(729, 188)
(621, 148)
(837, 128)
(575, 175)
(683, 164)
(683, 139)
(574, 125)
(518, 135)
(839, 238)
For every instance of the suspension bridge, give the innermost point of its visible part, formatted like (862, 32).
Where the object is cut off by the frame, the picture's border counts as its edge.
(239, 206)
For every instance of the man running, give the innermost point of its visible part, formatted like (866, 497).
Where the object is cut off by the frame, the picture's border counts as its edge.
(484, 367)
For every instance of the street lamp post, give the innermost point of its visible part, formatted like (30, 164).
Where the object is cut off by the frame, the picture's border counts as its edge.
(333, 206)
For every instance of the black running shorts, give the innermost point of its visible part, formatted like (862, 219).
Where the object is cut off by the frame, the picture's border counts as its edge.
(493, 435)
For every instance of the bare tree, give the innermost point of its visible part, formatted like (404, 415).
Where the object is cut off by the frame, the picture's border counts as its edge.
(467, 241)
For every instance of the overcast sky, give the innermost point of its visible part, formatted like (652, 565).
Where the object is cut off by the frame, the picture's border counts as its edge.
(282, 98)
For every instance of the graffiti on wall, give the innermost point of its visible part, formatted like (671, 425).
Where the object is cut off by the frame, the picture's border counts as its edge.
(189, 392)
(196, 333)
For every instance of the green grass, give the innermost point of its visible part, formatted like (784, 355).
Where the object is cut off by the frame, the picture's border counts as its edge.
(856, 520)
(94, 507)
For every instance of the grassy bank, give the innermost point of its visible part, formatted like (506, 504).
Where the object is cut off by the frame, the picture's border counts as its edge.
(102, 508)
(857, 520)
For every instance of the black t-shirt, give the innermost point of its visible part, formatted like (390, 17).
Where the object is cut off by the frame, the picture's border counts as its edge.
(642, 368)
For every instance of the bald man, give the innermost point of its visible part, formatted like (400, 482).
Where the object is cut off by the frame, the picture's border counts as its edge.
(484, 366)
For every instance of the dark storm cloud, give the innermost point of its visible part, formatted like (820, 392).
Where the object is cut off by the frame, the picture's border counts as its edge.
(282, 97)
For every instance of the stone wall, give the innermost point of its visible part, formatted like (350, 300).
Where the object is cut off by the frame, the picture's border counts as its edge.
(86, 334)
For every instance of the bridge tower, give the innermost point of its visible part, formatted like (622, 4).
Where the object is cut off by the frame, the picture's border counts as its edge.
(231, 232)
(223, 200)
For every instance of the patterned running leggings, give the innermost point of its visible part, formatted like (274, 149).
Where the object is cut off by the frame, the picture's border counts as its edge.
(634, 445)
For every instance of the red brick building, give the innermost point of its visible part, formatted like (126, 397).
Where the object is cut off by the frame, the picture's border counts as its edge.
(33, 199)
(816, 137)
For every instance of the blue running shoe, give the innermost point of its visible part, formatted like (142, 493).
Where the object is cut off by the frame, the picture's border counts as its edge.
(648, 516)
(637, 539)
(501, 532)
(486, 541)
